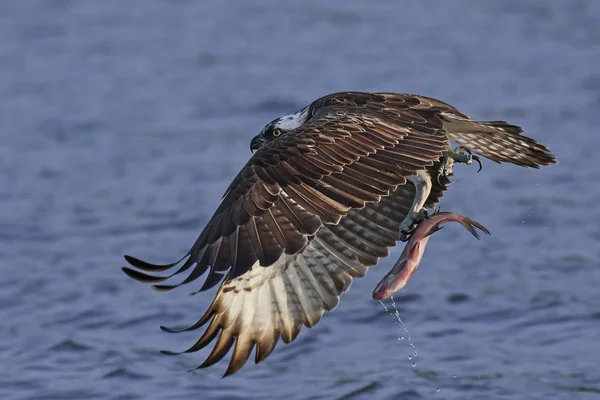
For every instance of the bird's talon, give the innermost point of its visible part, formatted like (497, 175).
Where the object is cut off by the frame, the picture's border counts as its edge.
(459, 155)
(412, 220)
(478, 162)
(404, 236)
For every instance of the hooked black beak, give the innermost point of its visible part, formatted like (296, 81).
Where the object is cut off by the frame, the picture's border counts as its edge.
(256, 143)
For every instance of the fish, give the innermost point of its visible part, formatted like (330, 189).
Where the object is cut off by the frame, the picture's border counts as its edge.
(411, 256)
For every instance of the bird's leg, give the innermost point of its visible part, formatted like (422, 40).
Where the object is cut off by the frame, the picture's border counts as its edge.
(460, 155)
(422, 182)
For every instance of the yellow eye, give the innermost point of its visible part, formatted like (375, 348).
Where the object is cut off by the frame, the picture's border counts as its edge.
(276, 132)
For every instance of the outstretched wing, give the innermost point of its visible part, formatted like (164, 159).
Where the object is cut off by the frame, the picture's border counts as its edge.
(309, 211)
(266, 304)
(342, 158)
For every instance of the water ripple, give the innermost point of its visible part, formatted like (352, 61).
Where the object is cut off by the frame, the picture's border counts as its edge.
(121, 126)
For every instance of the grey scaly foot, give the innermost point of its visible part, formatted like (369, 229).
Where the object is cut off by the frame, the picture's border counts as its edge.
(458, 155)
(409, 224)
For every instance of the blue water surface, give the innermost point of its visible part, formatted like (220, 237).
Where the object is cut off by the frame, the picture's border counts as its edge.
(122, 123)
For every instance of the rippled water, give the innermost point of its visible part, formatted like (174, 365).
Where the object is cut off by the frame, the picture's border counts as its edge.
(122, 122)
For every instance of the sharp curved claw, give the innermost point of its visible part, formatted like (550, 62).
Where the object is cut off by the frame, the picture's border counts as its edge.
(478, 162)
(404, 237)
(405, 234)
(439, 175)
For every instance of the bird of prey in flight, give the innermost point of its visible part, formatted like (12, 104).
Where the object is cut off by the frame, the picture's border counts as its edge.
(328, 190)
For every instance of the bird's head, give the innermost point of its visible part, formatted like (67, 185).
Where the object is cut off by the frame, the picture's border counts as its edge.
(279, 127)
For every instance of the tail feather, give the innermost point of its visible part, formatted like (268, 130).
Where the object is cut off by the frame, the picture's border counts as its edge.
(503, 126)
(498, 141)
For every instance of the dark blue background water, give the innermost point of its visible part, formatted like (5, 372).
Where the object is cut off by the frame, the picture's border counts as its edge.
(122, 122)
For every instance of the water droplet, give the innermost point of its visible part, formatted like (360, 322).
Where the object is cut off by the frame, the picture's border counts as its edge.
(455, 376)
(398, 320)
(384, 306)
(438, 389)
(414, 364)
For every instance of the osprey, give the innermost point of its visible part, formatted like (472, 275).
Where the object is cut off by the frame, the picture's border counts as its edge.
(328, 191)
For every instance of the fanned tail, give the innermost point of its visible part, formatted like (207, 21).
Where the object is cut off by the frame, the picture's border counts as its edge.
(498, 141)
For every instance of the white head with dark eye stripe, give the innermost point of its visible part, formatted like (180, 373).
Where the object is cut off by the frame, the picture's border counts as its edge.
(272, 131)
(279, 127)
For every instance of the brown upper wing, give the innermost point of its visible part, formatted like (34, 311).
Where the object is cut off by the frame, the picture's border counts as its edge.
(355, 148)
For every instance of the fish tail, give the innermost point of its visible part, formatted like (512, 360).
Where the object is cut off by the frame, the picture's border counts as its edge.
(470, 225)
